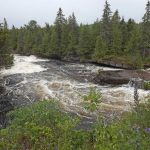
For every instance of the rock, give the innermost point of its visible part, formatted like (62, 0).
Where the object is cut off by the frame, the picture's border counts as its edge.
(120, 76)
(2, 89)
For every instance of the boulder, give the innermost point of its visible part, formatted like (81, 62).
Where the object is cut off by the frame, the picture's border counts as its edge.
(2, 89)
(120, 76)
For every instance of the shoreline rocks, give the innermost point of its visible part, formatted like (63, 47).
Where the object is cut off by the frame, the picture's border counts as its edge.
(5, 105)
(119, 77)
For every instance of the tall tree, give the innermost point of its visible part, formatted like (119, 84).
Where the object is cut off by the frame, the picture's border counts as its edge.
(73, 35)
(57, 36)
(86, 46)
(106, 28)
(100, 49)
(124, 34)
(5, 56)
(13, 38)
(146, 31)
(116, 34)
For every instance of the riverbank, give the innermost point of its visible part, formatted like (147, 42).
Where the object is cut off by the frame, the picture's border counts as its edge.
(43, 125)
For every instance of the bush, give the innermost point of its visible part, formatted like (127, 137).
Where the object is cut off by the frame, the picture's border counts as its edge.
(147, 85)
(40, 126)
(92, 99)
(44, 126)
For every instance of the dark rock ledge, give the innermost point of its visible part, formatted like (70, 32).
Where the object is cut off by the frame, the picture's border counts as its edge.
(120, 76)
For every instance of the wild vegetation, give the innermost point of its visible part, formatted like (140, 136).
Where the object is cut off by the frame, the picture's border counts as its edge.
(110, 38)
(45, 126)
(5, 56)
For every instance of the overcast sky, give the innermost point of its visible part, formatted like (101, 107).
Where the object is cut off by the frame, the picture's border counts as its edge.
(19, 12)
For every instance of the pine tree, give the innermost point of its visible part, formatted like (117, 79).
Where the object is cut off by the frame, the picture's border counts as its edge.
(146, 31)
(116, 34)
(124, 34)
(106, 28)
(100, 49)
(5, 24)
(73, 35)
(133, 44)
(46, 40)
(5, 57)
(57, 35)
(13, 38)
(20, 42)
(86, 46)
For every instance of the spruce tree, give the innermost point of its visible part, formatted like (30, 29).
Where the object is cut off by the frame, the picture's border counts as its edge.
(100, 49)
(106, 28)
(146, 32)
(5, 57)
(116, 34)
(124, 34)
(13, 38)
(86, 46)
(57, 35)
(73, 35)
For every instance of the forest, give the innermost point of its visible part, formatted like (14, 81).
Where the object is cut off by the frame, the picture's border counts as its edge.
(109, 38)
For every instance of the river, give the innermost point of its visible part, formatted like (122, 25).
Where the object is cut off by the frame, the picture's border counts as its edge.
(32, 79)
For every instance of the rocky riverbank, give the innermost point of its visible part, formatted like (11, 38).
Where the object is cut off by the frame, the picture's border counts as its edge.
(5, 104)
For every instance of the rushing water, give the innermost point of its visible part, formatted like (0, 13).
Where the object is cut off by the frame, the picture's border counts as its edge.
(31, 79)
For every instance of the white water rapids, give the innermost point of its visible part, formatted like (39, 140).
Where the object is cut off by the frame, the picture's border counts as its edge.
(67, 82)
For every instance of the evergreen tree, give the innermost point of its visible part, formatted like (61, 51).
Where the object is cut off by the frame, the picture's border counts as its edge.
(85, 43)
(5, 24)
(73, 35)
(124, 34)
(116, 34)
(20, 42)
(46, 40)
(5, 57)
(106, 28)
(146, 31)
(13, 38)
(133, 45)
(57, 38)
(100, 49)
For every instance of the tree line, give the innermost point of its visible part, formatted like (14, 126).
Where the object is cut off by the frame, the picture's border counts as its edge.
(5, 56)
(109, 38)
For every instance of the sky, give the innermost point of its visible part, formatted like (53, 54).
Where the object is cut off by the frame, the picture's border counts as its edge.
(20, 12)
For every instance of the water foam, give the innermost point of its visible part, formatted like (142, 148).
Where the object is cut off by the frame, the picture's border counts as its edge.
(24, 64)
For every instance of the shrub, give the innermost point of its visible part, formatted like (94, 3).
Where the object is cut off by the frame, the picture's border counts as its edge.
(147, 85)
(92, 99)
(44, 126)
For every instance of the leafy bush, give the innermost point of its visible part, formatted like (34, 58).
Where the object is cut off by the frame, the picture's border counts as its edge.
(92, 99)
(40, 126)
(44, 126)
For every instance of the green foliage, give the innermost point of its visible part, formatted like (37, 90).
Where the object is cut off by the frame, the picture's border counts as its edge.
(147, 85)
(85, 43)
(92, 99)
(40, 126)
(6, 58)
(100, 49)
(145, 44)
(116, 34)
(45, 126)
